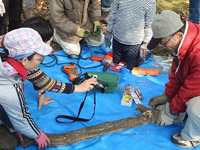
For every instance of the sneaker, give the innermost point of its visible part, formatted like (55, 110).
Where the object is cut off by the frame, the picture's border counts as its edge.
(179, 141)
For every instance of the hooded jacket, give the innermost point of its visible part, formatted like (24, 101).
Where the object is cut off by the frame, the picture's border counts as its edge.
(184, 80)
(13, 102)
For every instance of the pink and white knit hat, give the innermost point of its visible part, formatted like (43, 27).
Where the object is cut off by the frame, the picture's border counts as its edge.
(24, 42)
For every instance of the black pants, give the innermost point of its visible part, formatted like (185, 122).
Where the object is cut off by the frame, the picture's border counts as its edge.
(12, 17)
(4, 117)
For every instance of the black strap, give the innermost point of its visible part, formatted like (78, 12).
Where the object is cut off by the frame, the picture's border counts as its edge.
(80, 108)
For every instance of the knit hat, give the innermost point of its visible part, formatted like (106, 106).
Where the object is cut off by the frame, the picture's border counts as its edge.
(24, 42)
(165, 23)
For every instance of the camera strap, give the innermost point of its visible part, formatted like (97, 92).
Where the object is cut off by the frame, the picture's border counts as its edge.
(80, 108)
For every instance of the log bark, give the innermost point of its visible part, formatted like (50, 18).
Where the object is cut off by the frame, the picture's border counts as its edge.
(147, 115)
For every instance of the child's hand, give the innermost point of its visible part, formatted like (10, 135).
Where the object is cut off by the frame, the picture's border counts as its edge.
(108, 38)
(44, 100)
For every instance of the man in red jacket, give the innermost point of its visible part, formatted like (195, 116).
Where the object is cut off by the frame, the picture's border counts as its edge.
(182, 94)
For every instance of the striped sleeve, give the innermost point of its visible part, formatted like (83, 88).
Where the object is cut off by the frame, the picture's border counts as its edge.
(41, 81)
(149, 16)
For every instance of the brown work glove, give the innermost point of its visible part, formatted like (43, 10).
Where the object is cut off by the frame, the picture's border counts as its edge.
(158, 100)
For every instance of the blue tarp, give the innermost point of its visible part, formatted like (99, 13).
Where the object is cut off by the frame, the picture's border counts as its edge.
(108, 108)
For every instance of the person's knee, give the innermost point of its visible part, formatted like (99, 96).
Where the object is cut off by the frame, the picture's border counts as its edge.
(71, 48)
(193, 108)
(68, 48)
(73, 51)
(93, 42)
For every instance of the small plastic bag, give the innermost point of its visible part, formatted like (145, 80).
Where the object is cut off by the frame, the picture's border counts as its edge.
(163, 63)
(28, 3)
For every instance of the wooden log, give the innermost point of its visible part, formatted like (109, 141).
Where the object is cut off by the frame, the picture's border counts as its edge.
(147, 115)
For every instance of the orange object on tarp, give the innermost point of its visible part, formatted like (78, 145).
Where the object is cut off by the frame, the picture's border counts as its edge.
(145, 71)
(71, 71)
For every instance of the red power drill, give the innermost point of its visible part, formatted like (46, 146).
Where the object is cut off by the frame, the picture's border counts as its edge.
(106, 61)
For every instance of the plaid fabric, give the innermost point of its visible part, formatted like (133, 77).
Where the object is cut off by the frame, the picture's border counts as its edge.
(129, 54)
(24, 42)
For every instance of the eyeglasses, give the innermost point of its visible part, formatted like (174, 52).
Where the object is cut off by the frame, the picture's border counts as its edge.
(164, 45)
(41, 60)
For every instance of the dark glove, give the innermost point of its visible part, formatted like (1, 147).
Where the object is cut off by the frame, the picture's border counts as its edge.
(108, 38)
(97, 32)
(42, 140)
(158, 100)
(165, 117)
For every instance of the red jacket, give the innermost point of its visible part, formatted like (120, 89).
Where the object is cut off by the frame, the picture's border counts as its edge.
(184, 80)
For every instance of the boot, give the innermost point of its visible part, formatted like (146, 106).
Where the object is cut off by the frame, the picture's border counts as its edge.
(105, 16)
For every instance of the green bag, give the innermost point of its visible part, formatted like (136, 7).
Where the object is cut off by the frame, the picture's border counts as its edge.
(109, 79)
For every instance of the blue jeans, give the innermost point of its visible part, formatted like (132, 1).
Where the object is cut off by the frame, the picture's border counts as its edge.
(105, 5)
(194, 10)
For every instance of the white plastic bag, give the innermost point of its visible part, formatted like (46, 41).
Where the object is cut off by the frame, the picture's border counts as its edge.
(28, 3)
(163, 63)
